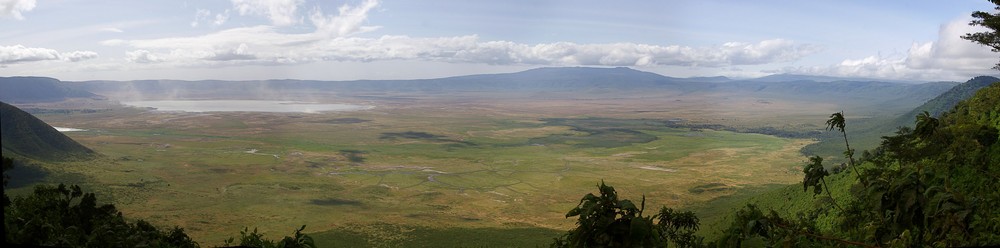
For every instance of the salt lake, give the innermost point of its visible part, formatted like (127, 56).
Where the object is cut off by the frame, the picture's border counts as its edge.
(245, 106)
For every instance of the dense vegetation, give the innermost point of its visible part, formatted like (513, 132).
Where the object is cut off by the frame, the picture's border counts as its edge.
(66, 216)
(866, 134)
(931, 185)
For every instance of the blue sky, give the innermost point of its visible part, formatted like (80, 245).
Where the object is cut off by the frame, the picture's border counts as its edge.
(394, 39)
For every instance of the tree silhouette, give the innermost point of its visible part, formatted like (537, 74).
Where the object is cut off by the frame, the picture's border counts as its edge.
(814, 175)
(926, 125)
(838, 122)
(606, 221)
(988, 38)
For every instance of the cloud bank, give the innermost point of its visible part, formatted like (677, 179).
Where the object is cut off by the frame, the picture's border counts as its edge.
(334, 38)
(948, 57)
(21, 54)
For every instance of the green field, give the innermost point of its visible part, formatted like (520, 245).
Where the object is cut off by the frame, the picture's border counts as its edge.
(394, 176)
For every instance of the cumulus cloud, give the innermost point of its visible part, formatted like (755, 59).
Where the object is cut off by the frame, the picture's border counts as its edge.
(948, 58)
(14, 8)
(241, 52)
(200, 15)
(280, 12)
(142, 57)
(221, 18)
(21, 54)
(75, 56)
(348, 21)
(950, 51)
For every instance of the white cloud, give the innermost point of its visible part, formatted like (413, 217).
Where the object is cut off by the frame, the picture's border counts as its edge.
(21, 54)
(221, 18)
(348, 21)
(948, 58)
(112, 30)
(281, 48)
(334, 39)
(142, 57)
(200, 15)
(280, 12)
(951, 52)
(75, 56)
(241, 52)
(14, 8)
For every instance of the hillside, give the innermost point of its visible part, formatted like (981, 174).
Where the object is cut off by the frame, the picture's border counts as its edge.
(866, 133)
(27, 136)
(37, 89)
(934, 186)
(946, 101)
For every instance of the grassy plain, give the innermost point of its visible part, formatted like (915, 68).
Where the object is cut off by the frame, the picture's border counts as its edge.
(490, 172)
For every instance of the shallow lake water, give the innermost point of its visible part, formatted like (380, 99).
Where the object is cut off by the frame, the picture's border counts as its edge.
(69, 129)
(245, 106)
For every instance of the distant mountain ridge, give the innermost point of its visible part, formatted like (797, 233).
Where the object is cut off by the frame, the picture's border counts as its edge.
(797, 77)
(563, 79)
(38, 89)
(26, 135)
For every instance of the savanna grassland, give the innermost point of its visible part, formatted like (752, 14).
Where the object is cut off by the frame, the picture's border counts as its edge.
(428, 167)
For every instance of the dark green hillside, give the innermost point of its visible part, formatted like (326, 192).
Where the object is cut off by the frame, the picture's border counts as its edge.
(934, 185)
(37, 89)
(27, 136)
(866, 134)
(941, 104)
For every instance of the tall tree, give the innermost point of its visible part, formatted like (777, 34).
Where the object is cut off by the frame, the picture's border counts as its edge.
(838, 122)
(990, 21)
(926, 125)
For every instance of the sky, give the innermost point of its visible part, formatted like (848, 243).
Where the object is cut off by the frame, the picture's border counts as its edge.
(74, 40)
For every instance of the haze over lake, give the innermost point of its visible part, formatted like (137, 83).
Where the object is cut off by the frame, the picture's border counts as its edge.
(245, 106)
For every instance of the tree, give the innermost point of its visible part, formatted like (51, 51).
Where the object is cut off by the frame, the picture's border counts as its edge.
(255, 239)
(838, 122)
(66, 216)
(605, 221)
(815, 175)
(989, 38)
(926, 125)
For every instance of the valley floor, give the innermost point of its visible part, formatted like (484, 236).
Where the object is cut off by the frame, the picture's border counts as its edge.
(392, 173)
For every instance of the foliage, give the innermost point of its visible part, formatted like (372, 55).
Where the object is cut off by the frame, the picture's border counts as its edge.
(990, 21)
(838, 122)
(935, 185)
(255, 239)
(66, 216)
(814, 175)
(606, 221)
(7, 165)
